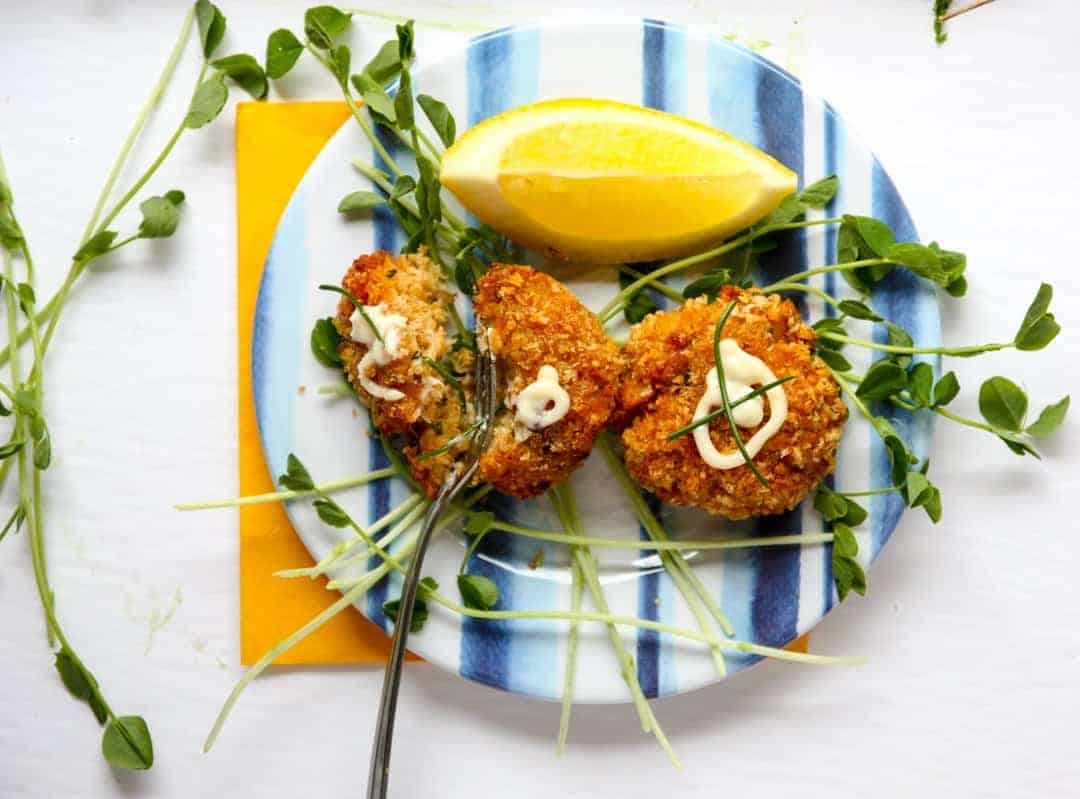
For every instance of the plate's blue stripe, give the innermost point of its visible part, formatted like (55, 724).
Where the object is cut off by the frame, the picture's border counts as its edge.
(779, 120)
(387, 237)
(834, 165)
(503, 72)
(278, 326)
(663, 87)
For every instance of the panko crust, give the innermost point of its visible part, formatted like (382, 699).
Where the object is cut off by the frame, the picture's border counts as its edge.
(534, 321)
(669, 355)
(429, 414)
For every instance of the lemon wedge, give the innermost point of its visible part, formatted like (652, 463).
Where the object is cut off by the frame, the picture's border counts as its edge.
(597, 181)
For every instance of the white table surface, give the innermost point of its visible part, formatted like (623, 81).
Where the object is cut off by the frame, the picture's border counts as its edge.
(972, 626)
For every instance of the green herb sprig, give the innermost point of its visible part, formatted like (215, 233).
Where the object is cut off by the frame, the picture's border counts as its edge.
(126, 741)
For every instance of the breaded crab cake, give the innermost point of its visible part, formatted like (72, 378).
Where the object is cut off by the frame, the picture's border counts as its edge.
(560, 375)
(558, 371)
(669, 358)
(405, 297)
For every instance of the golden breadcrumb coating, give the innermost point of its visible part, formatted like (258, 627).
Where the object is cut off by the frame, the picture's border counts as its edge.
(429, 415)
(669, 355)
(533, 321)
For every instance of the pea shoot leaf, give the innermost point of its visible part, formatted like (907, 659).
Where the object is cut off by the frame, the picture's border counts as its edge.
(1050, 419)
(1017, 443)
(340, 61)
(323, 24)
(708, 285)
(479, 522)
(406, 40)
(834, 360)
(127, 744)
(207, 103)
(359, 201)
(330, 512)
(858, 310)
(160, 216)
(420, 614)
(403, 103)
(375, 97)
(848, 575)
(898, 337)
(478, 591)
(96, 245)
(946, 389)
(385, 65)
(829, 504)
(639, 304)
(10, 234)
(325, 341)
(820, 193)
(246, 71)
(1039, 327)
(211, 26)
(296, 477)
(875, 234)
(438, 114)
(883, 380)
(856, 513)
(920, 383)
(283, 50)
(1003, 404)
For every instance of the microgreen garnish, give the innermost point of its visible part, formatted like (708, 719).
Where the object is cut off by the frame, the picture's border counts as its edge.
(464, 435)
(426, 586)
(724, 394)
(126, 741)
(359, 201)
(848, 575)
(478, 591)
(452, 381)
(283, 50)
(719, 412)
(357, 306)
(325, 341)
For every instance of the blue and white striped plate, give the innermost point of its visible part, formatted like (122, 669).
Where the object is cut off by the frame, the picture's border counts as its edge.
(771, 595)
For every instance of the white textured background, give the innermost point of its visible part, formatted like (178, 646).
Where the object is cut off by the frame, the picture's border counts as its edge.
(972, 626)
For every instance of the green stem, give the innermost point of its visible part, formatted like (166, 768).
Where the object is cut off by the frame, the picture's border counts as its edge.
(333, 560)
(611, 310)
(140, 121)
(807, 289)
(155, 164)
(962, 352)
(651, 282)
(577, 588)
(821, 270)
(873, 492)
(663, 545)
(283, 496)
(659, 535)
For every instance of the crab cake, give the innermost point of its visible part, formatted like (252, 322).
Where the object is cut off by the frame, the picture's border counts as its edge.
(405, 299)
(560, 376)
(669, 359)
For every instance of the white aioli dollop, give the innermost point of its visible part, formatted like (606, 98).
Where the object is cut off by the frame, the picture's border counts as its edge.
(531, 407)
(741, 372)
(379, 353)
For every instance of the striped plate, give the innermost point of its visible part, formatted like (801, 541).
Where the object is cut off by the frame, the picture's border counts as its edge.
(771, 595)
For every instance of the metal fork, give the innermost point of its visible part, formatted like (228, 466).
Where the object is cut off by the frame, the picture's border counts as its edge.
(484, 402)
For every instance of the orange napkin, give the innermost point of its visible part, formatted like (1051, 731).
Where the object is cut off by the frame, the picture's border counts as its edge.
(275, 144)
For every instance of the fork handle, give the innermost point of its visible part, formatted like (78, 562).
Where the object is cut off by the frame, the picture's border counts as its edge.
(379, 775)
